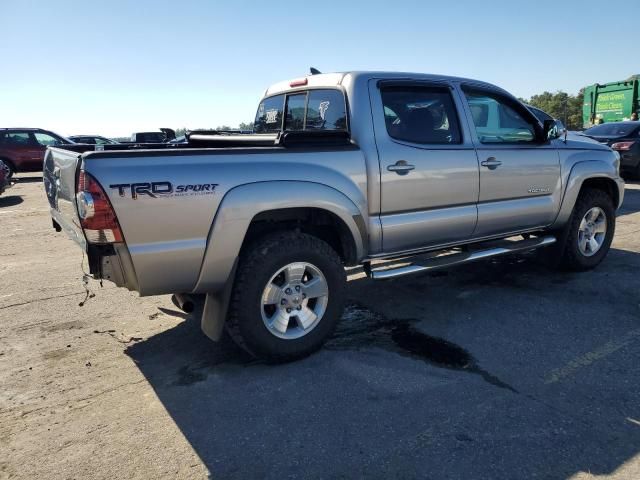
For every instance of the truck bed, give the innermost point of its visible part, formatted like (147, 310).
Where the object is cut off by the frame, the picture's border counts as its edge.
(168, 230)
(200, 140)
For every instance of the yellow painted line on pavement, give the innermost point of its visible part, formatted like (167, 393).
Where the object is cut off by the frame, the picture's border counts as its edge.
(591, 357)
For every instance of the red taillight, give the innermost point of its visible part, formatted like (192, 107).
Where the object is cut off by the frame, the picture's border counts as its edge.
(299, 83)
(622, 146)
(97, 218)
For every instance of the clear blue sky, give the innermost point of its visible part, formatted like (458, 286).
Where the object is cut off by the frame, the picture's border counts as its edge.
(113, 67)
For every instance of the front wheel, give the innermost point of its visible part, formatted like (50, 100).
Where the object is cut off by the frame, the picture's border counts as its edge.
(288, 296)
(7, 168)
(590, 231)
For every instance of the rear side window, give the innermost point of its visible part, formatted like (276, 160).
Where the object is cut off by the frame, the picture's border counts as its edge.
(424, 115)
(322, 109)
(18, 138)
(269, 116)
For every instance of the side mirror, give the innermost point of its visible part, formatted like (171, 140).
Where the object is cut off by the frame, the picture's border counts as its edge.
(562, 130)
(550, 129)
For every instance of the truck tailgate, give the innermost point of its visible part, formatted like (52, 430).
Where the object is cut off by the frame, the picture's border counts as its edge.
(59, 176)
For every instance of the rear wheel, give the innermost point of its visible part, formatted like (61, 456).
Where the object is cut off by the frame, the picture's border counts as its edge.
(288, 296)
(589, 231)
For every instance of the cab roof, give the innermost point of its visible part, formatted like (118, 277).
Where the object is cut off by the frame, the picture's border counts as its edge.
(338, 78)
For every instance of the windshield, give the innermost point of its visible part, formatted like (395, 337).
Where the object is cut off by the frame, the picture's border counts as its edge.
(321, 109)
(611, 130)
(148, 137)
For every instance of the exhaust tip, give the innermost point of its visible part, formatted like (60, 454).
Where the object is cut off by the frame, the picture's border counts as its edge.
(183, 301)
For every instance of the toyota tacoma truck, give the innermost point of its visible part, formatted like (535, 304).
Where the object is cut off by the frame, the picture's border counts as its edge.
(397, 172)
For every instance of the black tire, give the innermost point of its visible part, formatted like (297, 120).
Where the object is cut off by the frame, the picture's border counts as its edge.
(9, 166)
(571, 256)
(257, 264)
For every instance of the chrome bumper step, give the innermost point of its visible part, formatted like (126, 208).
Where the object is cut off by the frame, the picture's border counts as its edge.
(460, 258)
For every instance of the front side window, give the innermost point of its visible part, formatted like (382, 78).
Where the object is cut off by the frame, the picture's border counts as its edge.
(269, 116)
(496, 119)
(424, 115)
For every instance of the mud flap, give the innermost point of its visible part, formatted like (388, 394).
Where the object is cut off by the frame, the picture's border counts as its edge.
(214, 313)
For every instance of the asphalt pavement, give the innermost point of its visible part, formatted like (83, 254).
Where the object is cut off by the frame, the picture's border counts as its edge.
(497, 370)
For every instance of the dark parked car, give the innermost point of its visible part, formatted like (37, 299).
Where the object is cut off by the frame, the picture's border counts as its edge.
(624, 137)
(92, 140)
(22, 149)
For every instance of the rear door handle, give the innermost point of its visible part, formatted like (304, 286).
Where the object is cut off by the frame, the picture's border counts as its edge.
(491, 163)
(401, 167)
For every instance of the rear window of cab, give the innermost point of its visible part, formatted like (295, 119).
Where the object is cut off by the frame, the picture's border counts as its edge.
(323, 109)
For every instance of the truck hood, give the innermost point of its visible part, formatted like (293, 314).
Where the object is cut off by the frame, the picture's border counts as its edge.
(580, 141)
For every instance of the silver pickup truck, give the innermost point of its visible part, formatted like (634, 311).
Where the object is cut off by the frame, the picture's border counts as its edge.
(343, 169)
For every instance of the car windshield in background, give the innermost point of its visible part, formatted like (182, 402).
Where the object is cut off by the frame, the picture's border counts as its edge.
(612, 130)
(150, 137)
(308, 110)
(92, 140)
(540, 115)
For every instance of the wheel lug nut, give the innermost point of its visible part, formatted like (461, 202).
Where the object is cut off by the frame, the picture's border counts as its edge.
(283, 302)
(288, 291)
(299, 307)
(297, 288)
(288, 310)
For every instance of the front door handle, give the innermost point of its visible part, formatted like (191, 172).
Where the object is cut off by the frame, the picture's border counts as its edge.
(401, 167)
(491, 163)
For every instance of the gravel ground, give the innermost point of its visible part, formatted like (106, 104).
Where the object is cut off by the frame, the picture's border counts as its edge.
(497, 370)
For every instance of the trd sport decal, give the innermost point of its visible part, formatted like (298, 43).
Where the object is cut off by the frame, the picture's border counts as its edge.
(163, 189)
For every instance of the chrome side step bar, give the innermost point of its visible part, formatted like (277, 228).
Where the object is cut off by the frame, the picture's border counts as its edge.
(462, 258)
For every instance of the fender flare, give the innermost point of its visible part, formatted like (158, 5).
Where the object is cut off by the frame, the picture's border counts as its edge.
(580, 172)
(231, 223)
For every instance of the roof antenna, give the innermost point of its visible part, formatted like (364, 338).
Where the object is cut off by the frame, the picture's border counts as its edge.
(314, 71)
